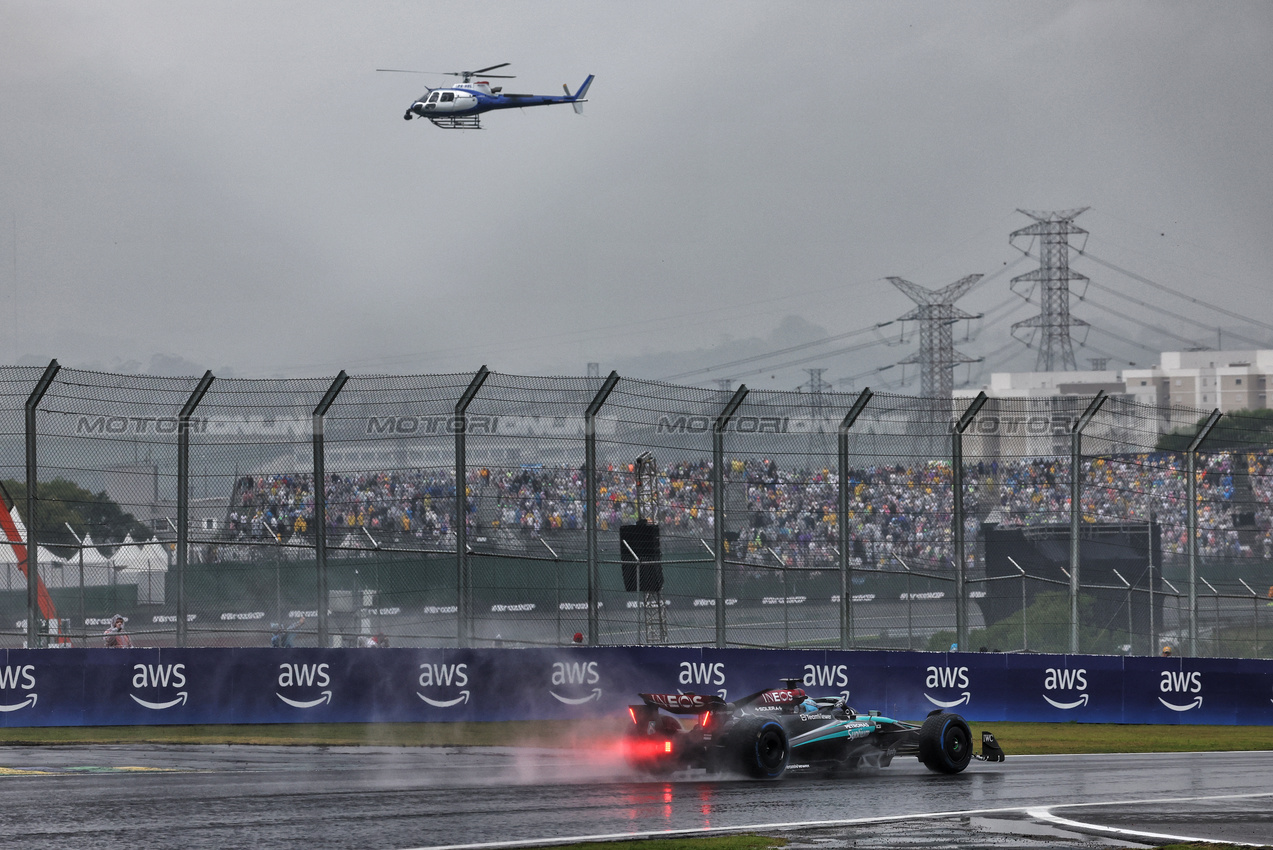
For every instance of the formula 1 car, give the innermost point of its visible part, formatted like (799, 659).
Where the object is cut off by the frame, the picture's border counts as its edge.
(761, 734)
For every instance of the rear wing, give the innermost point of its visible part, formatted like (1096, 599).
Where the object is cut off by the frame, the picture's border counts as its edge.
(684, 703)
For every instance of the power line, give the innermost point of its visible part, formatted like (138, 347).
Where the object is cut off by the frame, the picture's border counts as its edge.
(800, 362)
(801, 347)
(1172, 313)
(1146, 325)
(1008, 266)
(1163, 288)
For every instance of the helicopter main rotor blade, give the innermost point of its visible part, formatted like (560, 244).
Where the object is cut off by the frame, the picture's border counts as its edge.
(490, 68)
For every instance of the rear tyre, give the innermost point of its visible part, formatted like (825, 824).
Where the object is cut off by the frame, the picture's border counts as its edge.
(759, 748)
(945, 743)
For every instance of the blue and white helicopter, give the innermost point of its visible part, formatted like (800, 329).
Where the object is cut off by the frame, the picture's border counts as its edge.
(459, 107)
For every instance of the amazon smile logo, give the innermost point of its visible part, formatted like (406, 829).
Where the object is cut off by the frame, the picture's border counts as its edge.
(1058, 679)
(575, 673)
(305, 676)
(948, 677)
(148, 677)
(444, 676)
(21, 677)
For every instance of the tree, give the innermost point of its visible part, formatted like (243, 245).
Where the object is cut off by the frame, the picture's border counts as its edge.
(1240, 429)
(63, 503)
(1047, 629)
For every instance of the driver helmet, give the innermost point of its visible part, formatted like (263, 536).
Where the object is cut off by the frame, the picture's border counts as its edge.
(809, 705)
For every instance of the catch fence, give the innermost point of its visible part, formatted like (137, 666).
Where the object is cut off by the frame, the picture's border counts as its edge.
(230, 512)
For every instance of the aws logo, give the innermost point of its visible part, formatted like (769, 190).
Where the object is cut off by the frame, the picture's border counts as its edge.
(304, 676)
(703, 673)
(153, 676)
(577, 674)
(444, 676)
(1065, 680)
(18, 678)
(1180, 682)
(827, 676)
(948, 678)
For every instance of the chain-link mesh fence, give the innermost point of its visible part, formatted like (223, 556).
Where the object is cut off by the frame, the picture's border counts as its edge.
(489, 509)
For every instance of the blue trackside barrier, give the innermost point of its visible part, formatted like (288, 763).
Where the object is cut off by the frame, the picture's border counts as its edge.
(100, 687)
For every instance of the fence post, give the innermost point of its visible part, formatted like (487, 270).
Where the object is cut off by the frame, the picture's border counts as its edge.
(1076, 510)
(718, 505)
(183, 498)
(320, 502)
(463, 581)
(590, 502)
(1191, 519)
(957, 518)
(33, 541)
(842, 511)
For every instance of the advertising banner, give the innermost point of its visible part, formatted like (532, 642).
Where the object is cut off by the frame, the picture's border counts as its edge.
(106, 687)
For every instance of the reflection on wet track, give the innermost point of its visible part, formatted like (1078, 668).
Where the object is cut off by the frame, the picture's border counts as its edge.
(285, 797)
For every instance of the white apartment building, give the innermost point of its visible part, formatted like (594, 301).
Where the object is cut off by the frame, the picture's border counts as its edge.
(1204, 381)
(1184, 385)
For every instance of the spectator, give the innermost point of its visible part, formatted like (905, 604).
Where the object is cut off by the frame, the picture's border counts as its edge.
(281, 636)
(115, 637)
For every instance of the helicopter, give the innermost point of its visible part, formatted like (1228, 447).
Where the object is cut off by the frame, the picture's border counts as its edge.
(459, 107)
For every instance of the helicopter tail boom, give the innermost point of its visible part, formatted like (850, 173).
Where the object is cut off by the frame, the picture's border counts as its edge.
(578, 100)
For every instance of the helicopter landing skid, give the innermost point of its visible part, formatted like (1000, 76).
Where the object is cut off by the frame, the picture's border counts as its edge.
(456, 122)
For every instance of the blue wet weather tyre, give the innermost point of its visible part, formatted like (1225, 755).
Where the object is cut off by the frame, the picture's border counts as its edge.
(760, 748)
(945, 743)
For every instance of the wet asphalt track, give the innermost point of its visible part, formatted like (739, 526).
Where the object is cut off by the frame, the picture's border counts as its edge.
(388, 799)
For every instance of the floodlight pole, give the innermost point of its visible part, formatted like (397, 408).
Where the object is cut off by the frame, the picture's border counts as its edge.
(183, 498)
(32, 541)
(590, 507)
(320, 502)
(718, 504)
(1191, 517)
(842, 510)
(1076, 510)
(463, 580)
(957, 521)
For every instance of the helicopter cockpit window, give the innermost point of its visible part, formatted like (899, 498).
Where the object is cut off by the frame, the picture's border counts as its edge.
(433, 98)
(448, 96)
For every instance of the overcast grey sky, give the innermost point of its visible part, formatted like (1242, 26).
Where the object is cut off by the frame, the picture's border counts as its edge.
(230, 185)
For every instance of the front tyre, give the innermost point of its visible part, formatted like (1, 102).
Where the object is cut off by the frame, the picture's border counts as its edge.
(945, 743)
(759, 748)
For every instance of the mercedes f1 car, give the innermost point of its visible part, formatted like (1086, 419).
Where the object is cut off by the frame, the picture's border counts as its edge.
(763, 734)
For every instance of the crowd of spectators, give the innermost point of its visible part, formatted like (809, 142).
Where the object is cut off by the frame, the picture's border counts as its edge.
(790, 515)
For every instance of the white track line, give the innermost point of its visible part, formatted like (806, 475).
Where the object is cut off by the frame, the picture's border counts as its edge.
(1044, 813)
(1039, 812)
